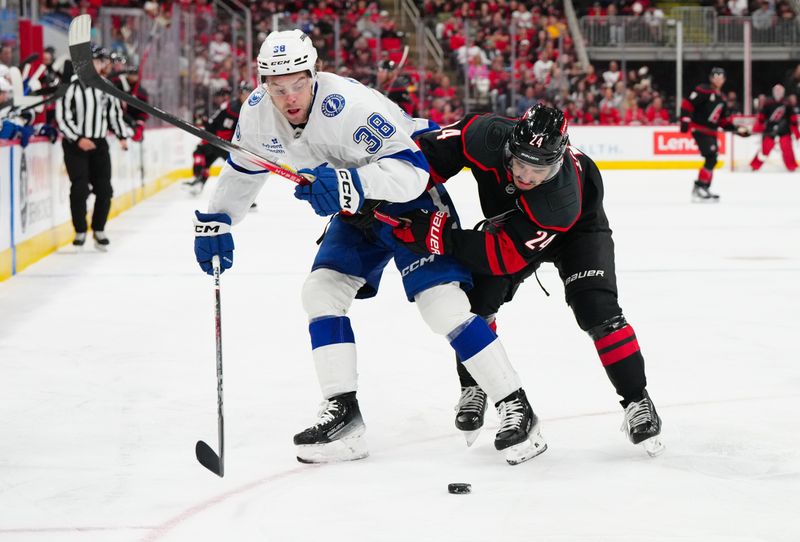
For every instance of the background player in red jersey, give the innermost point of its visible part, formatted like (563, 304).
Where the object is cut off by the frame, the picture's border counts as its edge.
(703, 113)
(777, 119)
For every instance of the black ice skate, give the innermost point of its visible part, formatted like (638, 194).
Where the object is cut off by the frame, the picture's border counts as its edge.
(702, 194)
(80, 239)
(338, 434)
(642, 425)
(101, 241)
(469, 412)
(195, 186)
(519, 437)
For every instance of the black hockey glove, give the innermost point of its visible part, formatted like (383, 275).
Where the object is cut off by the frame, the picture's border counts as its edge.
(364, 218)
(426, 232)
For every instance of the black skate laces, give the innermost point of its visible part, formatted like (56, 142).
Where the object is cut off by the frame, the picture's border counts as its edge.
(473, 399)
(511, 414)
(637, 413)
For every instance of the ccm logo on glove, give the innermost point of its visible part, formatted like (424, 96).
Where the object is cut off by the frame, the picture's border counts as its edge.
(348, 196)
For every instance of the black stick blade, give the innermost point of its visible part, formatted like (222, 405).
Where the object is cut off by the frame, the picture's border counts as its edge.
(80, 49)
(209, 458)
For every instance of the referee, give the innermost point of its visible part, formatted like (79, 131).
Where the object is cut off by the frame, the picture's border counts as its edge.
(83, 116)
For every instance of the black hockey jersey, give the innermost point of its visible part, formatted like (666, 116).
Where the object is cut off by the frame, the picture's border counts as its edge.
(705, 111)
(133, 116)
(524, 226)
(777, 118)
(223, 122)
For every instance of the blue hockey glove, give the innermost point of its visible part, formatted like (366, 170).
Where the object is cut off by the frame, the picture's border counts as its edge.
(212, 237)
(48, 131)
(332, 191)
(9, 130)
(26, 132)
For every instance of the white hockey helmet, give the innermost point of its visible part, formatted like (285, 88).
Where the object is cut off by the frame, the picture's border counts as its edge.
(287, 51)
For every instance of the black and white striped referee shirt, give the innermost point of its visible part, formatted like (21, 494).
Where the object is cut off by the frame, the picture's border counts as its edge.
(87, 112)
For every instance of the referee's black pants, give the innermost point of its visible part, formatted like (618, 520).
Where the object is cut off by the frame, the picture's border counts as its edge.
(89, 172)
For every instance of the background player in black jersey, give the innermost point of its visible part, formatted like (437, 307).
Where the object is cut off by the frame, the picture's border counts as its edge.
(704, 112)
(777, 119)
(126, 78)
(222, 124)
(544, 203)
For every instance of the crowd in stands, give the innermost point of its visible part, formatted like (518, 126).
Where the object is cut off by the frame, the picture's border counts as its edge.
(503, 55)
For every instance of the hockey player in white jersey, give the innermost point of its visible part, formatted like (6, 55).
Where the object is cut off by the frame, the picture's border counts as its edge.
(357, 148)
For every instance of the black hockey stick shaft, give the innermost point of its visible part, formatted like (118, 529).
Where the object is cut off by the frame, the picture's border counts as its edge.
(80, 51)
(205, 454)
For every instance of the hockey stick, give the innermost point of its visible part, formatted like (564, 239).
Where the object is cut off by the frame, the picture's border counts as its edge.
(205, 454)
(398, 67)
(16, 110)
(17, 88)
(80, 51)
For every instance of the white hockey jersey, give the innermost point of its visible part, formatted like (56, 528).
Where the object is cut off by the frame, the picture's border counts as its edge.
(349, 126)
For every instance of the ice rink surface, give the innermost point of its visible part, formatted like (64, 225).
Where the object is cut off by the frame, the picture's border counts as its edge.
(108, 380)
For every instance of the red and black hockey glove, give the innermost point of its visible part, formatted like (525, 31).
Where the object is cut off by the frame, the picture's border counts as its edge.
(426, 232)
(138, 132)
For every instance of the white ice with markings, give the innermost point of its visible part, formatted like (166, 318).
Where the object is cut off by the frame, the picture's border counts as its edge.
(108, 380)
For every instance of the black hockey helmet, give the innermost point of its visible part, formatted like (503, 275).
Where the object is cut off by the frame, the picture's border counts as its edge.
(540, 136)
(387, 65)
(100, 53)
(119, 58)
(716, 70)
(223, 91)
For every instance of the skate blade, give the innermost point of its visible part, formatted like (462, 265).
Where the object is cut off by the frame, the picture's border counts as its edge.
(471, 436)
(344, 449)
(696, 199)
(101, 248)
(653, 446)
(527, 449)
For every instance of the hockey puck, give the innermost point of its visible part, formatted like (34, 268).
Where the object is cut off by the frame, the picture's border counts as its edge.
(459, 488)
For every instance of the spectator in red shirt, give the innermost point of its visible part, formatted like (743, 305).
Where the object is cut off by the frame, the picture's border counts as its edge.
(656, 114)
(634, 116)
(609, 114)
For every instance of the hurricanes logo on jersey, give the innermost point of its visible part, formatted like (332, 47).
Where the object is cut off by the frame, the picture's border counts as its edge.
(332, 105)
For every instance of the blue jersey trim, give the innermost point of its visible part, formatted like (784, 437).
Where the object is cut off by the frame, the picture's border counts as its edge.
(416, 159)
(432, 127)
(240, 169)
(330, 330)
(472, 339)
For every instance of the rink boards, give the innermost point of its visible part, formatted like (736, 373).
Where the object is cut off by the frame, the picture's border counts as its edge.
(34, 190)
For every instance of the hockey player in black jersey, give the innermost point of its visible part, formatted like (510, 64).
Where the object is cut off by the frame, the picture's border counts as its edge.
(543, 202)
(126, 78)
(777, 119)
(703, 113)
(222, 124)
